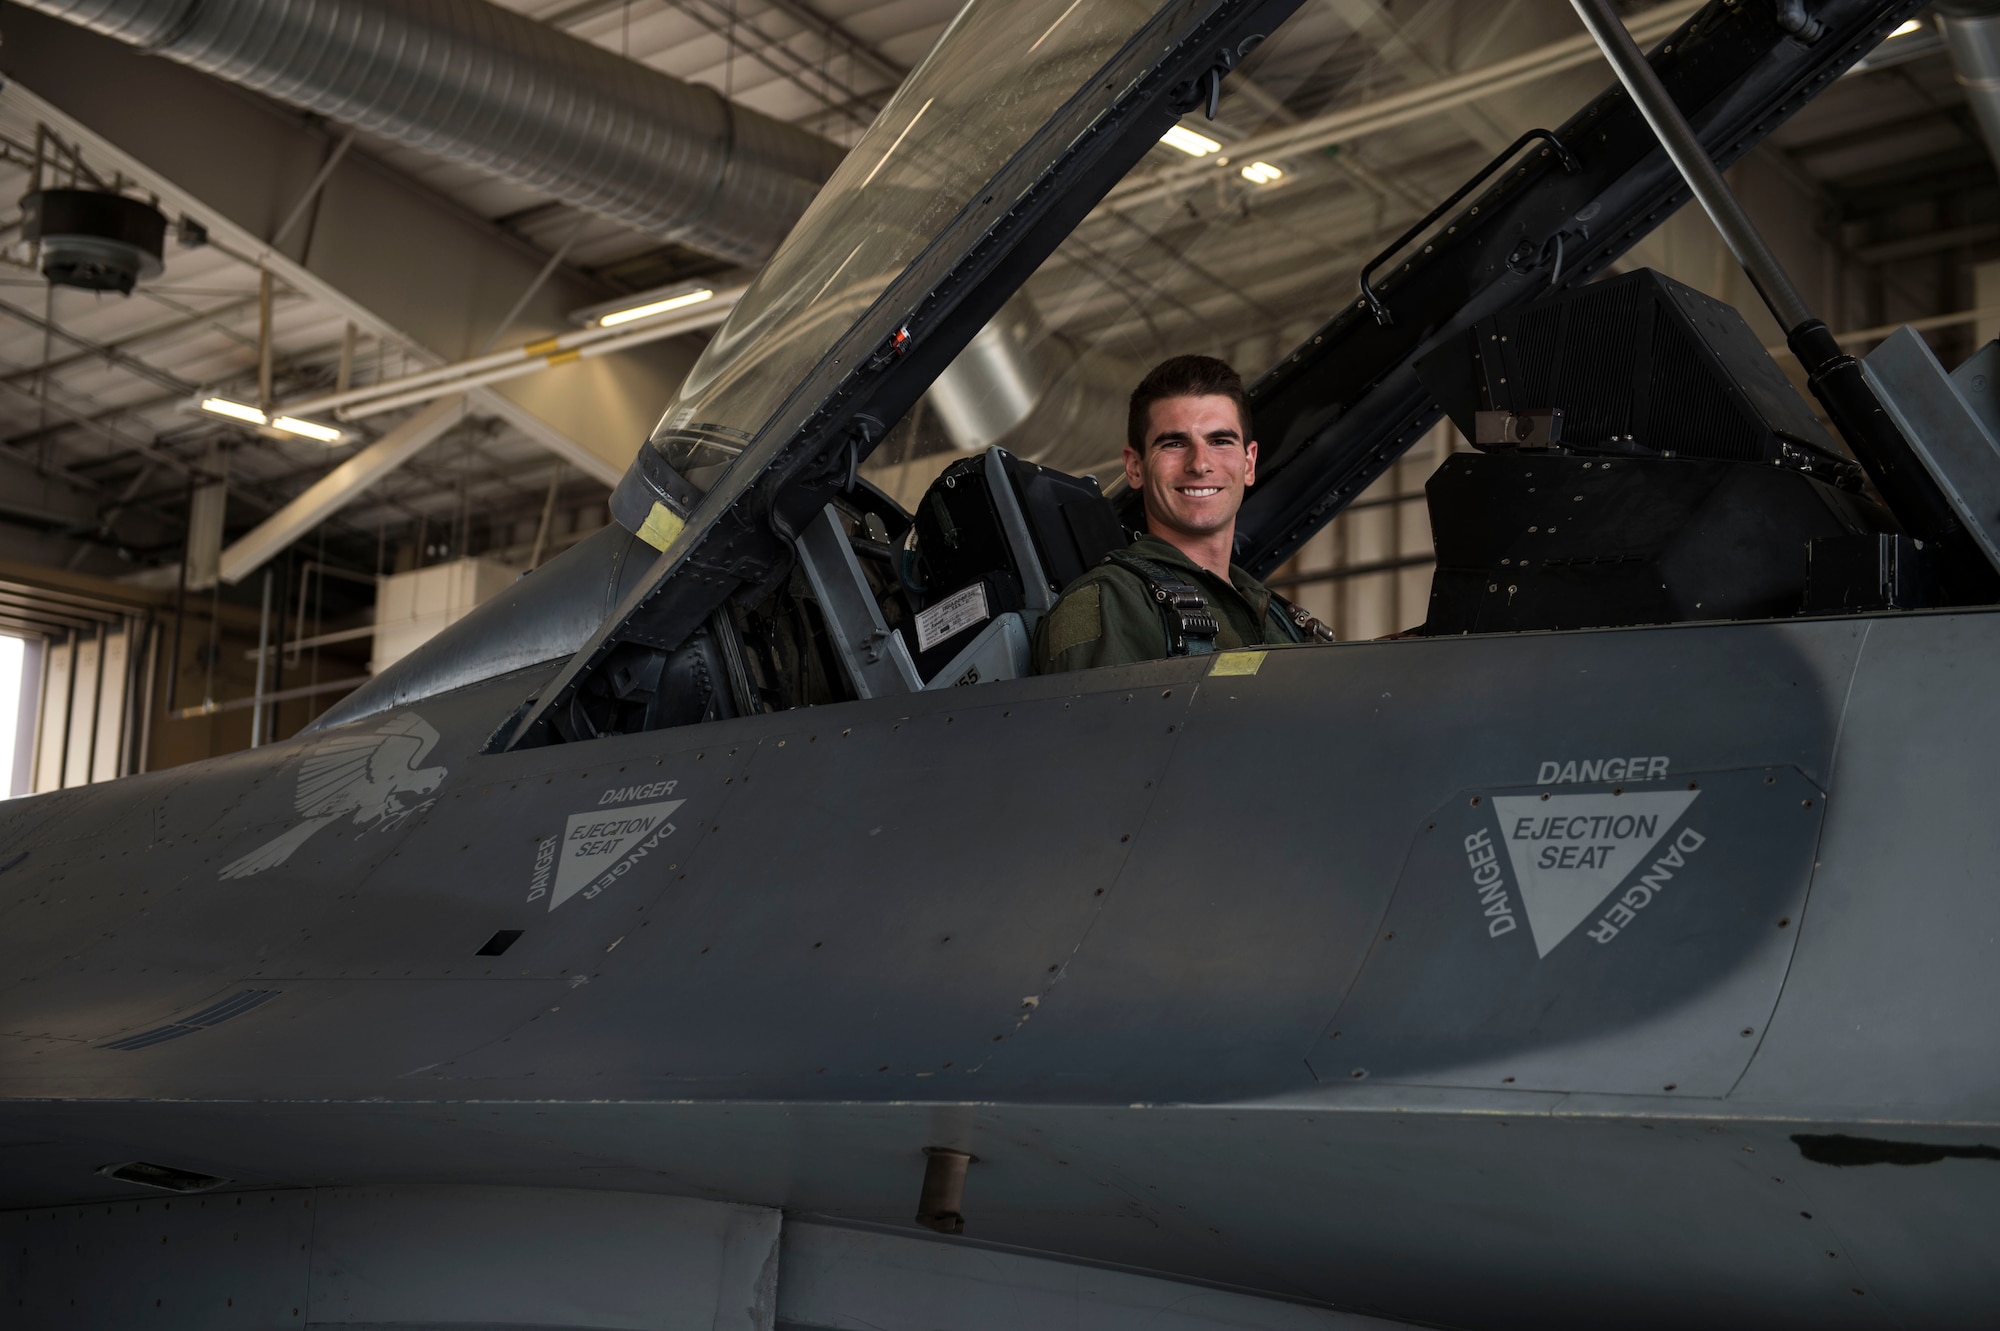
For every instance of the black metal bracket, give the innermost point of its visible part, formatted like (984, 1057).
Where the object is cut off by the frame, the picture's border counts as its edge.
(1204, 90)
(1347, 401)
(1376, 306)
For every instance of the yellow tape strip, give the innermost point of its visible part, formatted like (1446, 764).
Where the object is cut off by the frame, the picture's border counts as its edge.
(565, 357)
(543, 347)
(1237, 663)
(661, 526)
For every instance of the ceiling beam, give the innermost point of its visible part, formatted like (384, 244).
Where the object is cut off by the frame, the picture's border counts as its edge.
(401, 261)
(830, 30)
(337, 489)
(797, 69)
(827, 30)
(1935, 242)
(1530, 68)
(94, 425)
(93, 352)
(97, 350)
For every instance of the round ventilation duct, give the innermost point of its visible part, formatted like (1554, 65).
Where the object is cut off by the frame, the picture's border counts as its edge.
(480, 84)
(1035, 392)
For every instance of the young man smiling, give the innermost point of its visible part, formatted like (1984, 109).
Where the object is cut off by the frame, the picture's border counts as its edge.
(1173, 592)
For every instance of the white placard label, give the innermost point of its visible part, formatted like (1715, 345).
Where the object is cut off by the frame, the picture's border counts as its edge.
(602, 845)
(954, 614)
(1570, 852)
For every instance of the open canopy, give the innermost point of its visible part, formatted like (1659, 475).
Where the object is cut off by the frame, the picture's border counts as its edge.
(949, 179)
(1007, 137)
(997, 77)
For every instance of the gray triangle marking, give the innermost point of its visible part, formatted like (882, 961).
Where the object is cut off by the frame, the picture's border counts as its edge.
(594, 841)
(1570, 852)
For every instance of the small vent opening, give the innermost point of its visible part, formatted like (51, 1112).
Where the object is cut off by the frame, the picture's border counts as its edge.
(164, 1177)
(499, 942)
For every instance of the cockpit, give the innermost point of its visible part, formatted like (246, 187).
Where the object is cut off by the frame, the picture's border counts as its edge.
(878, 601)
(905, 440)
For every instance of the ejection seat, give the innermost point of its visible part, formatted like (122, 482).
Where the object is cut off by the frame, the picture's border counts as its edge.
(993, 543)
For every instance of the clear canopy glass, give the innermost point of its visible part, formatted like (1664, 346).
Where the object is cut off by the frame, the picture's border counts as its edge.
(1236, 237)
(1239, 237)
(997, 75)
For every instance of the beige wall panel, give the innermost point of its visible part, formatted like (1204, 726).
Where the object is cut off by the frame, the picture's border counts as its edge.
(1370, 606)
(1371, 532)
(1318, 600)
(77, 748)
(1986, 296)
(53, 728)
(1413, 596)
(108, 747)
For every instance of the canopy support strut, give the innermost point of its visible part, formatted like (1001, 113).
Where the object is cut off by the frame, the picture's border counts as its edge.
(1890, 460)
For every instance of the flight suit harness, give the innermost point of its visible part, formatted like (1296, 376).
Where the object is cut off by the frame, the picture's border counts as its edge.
(1191, 625)
(1149, 602)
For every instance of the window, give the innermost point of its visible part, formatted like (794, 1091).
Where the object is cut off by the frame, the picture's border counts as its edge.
(20, 679)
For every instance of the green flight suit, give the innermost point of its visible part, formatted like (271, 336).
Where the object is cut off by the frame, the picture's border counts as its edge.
(1108, 617)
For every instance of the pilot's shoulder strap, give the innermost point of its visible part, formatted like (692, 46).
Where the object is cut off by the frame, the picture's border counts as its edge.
(1191, 626)
(1301, 623)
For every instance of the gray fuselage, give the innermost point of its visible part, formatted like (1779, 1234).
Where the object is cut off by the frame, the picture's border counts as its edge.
(1209, 970)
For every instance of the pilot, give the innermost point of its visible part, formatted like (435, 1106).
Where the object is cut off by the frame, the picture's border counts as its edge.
(1173, 592)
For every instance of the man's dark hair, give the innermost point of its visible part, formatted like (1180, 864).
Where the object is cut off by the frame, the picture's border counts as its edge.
(1184, 376)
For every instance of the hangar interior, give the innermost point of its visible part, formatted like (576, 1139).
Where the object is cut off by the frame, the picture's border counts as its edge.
(383, 365)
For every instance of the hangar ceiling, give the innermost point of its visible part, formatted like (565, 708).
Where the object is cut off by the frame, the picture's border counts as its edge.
(381, 260)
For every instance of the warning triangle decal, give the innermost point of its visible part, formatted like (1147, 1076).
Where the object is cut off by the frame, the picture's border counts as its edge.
(595, 841)
(1570, 852)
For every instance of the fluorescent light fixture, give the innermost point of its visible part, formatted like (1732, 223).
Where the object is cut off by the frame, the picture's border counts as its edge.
(222, 406)
(243, 411)
(326, 434)
(1189, 142)
(1914, 25)
(1262, 173)
(651, 308)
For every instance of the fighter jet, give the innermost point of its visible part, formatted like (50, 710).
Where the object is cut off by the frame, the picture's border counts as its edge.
(1617, 949)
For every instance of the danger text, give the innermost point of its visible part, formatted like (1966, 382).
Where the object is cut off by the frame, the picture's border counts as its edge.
(1483, 858)
(632, 794)
(1651, 883)
(1557, 772)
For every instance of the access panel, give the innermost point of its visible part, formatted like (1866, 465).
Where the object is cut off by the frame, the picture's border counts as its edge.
(1626, 935)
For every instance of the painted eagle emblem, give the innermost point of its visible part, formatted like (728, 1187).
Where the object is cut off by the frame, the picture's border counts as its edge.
(374, 777)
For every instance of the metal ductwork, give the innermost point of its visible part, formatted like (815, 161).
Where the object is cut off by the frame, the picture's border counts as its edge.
(1034, 392)
(1000, 378)
(1972, 34)
(479, 84)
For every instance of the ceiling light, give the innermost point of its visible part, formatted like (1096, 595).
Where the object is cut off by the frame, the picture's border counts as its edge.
(1189, 142)
(243, 411)
(651, 308)
(1914, 25)
(1262, 173)
(326, 434)
(222, 406)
